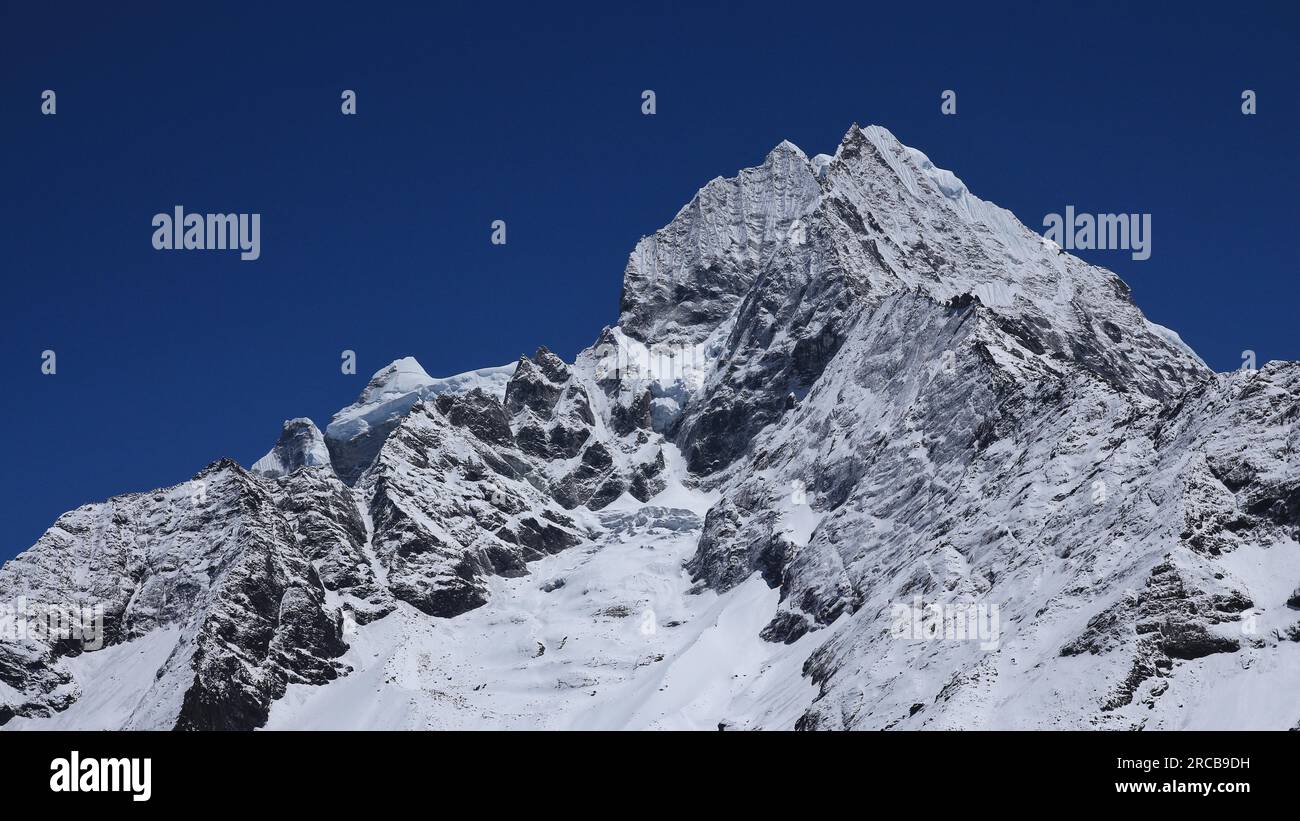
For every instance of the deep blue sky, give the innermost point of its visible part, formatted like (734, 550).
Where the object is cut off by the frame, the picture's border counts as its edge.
(375, 227)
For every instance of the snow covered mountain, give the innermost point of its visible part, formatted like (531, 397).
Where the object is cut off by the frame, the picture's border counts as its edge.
(862, 452)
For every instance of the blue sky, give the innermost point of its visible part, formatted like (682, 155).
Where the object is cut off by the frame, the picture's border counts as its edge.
(375, 228)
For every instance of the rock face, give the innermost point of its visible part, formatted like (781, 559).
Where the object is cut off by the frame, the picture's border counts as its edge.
(213, 562)
(589, 451)
(882, 390)
(451, 500)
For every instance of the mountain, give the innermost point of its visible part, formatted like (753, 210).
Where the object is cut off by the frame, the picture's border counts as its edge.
(862, 452)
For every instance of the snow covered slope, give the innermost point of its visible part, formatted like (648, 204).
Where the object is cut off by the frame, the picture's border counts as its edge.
(862, 452)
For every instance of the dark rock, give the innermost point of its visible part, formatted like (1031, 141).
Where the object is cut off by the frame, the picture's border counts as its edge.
(1190, 640)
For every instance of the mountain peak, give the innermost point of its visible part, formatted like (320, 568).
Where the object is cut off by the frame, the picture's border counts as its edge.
(786, 148)
(300, 445)
(397, 377)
